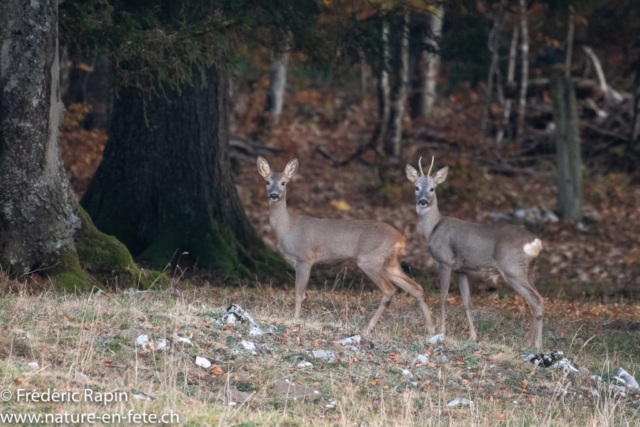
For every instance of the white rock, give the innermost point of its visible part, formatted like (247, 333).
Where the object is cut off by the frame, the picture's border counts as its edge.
(407, 373)
(142, 396)
(305, 364)
(626, 379)
(460, 401)
(325, 355)
(233, 403)
(515, 402)
(618, 389)
(436, 339)
(354, 340)
(316, 392)
(81, 375)
(142, 340)
(33, 365)
(132, 291)
(160, 344)
(492, 366)
(184, 340)
(564, 364)
(414, 383)
(99, 293)
(203, 362)
(235, 351)
(594, 393)
(597, 378)
(248, 345)
(235, 314)
(422, 359)
(330, 405)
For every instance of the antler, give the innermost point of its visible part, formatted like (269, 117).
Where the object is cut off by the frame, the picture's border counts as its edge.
(430, 167)
(420, 165)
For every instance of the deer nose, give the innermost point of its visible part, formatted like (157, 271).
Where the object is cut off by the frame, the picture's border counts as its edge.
(274, 196)
(423, 202)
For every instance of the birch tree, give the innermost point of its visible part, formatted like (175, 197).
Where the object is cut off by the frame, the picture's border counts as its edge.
(431, 58)
(393, 141)
(524, 83)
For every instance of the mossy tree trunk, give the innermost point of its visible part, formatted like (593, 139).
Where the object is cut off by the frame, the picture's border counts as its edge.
(165, 187)
(42, 228)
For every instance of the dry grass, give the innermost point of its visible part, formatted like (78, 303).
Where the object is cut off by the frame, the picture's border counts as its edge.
(96, 337)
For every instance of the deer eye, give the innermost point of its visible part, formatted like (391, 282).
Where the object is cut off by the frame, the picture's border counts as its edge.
(431, 190)
(268, 183)
(282, 184)
(417, 189)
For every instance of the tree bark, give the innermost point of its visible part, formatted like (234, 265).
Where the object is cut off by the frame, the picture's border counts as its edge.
(166, 190)
(42, 228)
(278, 80)
(525, 67)
(511, 72)
(493, 45)
(364, 75)
(383, 86)
(568, 151)
(635, 124)
(570, 33)
(393, 141)
(432, 61)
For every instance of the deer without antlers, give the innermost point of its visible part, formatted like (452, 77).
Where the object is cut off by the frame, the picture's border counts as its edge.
(463, 247)
(305, 241)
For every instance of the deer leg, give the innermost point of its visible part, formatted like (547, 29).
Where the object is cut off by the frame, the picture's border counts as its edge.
(405, 283)
(387, 289)
(521, 284)
(463, 282)
(302, 278)
(445, 280)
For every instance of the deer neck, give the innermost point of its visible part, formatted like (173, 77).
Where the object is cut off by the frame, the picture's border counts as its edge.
(429, 218)
(279, 218)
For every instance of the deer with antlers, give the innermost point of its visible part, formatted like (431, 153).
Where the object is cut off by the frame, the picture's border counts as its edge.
(463, 247)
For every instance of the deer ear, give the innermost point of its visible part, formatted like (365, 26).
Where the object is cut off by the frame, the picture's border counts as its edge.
(263, 167)
(441, 175)
(291, 168)
(412, 173)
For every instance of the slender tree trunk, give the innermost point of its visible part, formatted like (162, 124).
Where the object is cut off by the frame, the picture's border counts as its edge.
(635, 129)
(570, 32)
(511, 72)
(42, 228)
(569, 156)
(525, 68)
(432, 61)
(393, 141)
(166, 189)
(383, 86)
(364, 75)
(278, 80)
(493, 45)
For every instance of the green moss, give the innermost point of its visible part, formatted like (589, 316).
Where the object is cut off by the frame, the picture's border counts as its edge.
(109, 261)
(214, 247)
(68, 275)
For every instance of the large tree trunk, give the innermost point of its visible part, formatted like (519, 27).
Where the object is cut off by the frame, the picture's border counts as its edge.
(278, 80)
(393, 141)
(432, 61)
(165, 186)
(569, 157)
(383, 86)
(525, 67)
(42, 228)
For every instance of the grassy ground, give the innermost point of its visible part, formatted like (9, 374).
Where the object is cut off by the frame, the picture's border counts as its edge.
(89, 342)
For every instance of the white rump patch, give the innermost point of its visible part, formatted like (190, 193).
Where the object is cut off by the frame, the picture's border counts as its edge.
(533, 249)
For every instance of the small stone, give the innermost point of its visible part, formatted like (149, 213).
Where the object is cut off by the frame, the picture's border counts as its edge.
(332, 404)
(436, 339)
(203, 362)
(354, 340)
(422, 359)
(248, 345)
(305, 364)
(33, 365)
(185, 340)
(407, 373)
(460, 401)
(324, 355)
(626, 379)
(142, 396)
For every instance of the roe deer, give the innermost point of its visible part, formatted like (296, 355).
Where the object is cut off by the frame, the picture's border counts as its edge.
(305, 241)
(464, 247)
